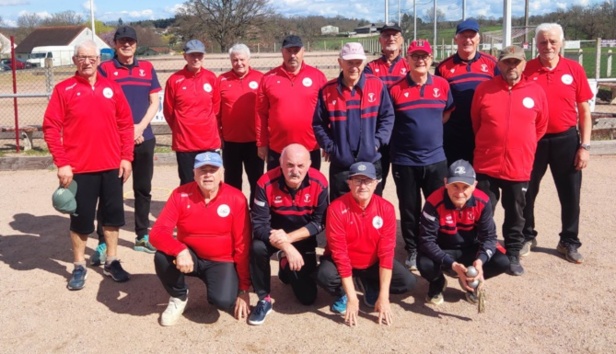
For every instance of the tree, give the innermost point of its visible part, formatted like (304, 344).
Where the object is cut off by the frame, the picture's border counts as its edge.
(65, 18)
(120, 22)
(224, 21)
(429, 15)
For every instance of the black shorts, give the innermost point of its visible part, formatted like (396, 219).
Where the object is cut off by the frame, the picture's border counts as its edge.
(90, 187)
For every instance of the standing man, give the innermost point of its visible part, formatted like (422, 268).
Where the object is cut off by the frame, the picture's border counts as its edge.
(216, 251)
(457, 231)
(89, 131)
(390, 68)
(140, 86)
(509, 115)
(353, 119)
(190, 108)
(285, 105)
(238, 91)
(566, 144)
(287, 213)
(464, 70)
(361, 241)
(422, 103)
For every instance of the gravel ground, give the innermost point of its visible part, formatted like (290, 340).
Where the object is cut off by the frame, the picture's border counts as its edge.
(555, 307)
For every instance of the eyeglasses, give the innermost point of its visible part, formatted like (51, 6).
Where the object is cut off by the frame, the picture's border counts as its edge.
(84, 58)
(417, 57)
(360, 181)
(126, 40)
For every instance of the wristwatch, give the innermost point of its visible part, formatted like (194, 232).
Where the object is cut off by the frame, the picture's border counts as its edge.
(585, 147)
(242, 292)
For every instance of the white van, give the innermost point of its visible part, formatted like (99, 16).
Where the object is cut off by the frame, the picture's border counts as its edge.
(60, 55)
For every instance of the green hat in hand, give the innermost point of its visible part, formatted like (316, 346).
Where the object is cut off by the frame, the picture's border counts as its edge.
(63, 199)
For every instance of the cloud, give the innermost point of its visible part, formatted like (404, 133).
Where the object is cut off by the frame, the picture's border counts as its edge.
(86, 6)
(14, 2)
(40, 14)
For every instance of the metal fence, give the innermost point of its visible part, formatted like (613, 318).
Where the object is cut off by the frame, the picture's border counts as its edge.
(22, 109)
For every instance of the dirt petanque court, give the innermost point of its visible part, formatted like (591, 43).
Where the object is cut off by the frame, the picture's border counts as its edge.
(556, 307)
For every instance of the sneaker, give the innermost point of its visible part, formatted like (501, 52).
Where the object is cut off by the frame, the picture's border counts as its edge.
(257, 316)
(570, 252)
(515, 268)
(99, 256)
(78, 279)
(340, 305)
(115, 271)
(527, 247)
(411, 261)
(144, 245)
(370, 293)
(435, 291)
(282, 264)
(174, 311)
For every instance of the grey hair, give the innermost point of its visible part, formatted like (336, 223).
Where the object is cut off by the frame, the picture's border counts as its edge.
(547, 27)
(240, 48)
(86, 44)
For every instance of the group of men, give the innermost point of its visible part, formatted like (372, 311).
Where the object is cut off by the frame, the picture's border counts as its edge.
(479, 128)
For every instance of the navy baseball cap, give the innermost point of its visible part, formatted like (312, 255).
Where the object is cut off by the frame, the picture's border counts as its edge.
(461, 171)
(390, 27)
(208, 158)
(292, 41)
(125, 32)
(467, 25)
(63, 199)
(194, 46)
(362, 169)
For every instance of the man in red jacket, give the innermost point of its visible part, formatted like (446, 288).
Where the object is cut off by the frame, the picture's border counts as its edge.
(190, 108)
(361, 238)
(212, 243)
(88, 128)
(509, 115)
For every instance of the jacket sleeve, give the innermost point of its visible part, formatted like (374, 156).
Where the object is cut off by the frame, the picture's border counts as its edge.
(428, 236)
(337, 243)
(260, 212)
(385, 119)
(126, 127)
(53, 125)
(262, 115)
(241, 243)
(161, 235)
(541, 124)
(486, 233)
(321, 124)
(387, 242)
(317, 219)
(168, 104)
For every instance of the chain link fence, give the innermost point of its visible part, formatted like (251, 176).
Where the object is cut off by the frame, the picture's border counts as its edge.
(21, 112)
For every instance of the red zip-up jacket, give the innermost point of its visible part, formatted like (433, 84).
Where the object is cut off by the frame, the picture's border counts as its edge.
(190, 108)
(507, 123)
(89, 127)
(356, 238)
(218, 231)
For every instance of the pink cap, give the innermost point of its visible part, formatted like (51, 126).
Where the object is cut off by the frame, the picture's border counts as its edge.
(352, 51)
(419, 45)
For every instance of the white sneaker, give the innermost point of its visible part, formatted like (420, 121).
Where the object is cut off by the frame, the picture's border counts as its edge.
(173, 312)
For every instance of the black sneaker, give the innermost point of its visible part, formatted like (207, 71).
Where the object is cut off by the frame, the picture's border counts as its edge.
(570, 252)
(371, 294)
(78, 279)
(283, 264)
(515, 268)
(115, 271)
(435, 291)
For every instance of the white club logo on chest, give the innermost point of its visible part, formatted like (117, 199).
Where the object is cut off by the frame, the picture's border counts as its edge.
(223, 210)
(107, 92)
(307, 82)
(253, 85)
(207, 88)
(528, 102)
(567, 79)
(436, 92)
(377, 222)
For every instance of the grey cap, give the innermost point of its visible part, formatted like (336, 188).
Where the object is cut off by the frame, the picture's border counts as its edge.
(461, 171)
(194, 46)
(362, 169)
(63, 199)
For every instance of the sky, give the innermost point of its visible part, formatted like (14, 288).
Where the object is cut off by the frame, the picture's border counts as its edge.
(372, 10)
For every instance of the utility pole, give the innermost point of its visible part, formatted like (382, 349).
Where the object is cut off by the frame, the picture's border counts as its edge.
(464, 10)
(386, 12)
(414, 19)
(92, 18)
(506, 23)
(526, 21)
(435, 21)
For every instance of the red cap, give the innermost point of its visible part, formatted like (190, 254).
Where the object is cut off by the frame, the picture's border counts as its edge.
(419, 45)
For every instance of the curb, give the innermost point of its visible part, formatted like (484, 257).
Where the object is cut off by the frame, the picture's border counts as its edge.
(14, 163)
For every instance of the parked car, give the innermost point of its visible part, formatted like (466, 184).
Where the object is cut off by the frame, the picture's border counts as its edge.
(19, 65)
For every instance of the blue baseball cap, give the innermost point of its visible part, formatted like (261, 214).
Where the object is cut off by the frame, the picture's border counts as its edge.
(208, 158)
(467, 25)
(362, 169)
(194, 46)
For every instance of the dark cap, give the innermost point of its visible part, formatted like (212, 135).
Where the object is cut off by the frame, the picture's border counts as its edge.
(512, 52)
(292, 41)
(467, 25)
(362, 169)
(392, 26)
(125, 32)
(194, 46)
(461, 171)
(63, 199)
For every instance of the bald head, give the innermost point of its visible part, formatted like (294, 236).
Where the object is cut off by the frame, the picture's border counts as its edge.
(294, 162)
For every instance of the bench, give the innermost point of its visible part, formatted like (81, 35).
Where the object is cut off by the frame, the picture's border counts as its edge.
(26, 133)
